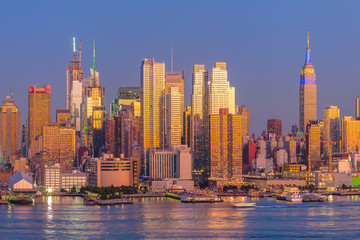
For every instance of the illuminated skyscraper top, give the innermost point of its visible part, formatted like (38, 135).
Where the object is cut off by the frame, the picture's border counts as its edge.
(308, 75)
(307, 91)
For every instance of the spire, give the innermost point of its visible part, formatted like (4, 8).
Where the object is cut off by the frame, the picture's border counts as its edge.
(172, 58)
(11, 93)
(80, 51)
(94, 57)
(94, 77)
(308, 60)
(74, 49)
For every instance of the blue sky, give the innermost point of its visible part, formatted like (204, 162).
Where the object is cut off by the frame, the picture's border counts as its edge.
(263, 43)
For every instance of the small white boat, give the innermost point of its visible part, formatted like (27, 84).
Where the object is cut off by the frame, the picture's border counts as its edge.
(243, 205)
(294, 198)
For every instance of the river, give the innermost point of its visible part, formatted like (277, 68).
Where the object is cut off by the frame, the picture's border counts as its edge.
(162, 218)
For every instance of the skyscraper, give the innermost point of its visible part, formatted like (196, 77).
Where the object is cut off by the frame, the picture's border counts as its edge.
(313, 148)
(225, 146)
(74, 78)
(307, 91)
(186, 126)
(58, 145)
(39, 109)
(198, 115)
(221, 95)
(174, 115)
(152, 78)
(93, 94)
(130, 96)
(174, 79)
(350, 134)
(245, 122)
(331, 117)
(357, 108)
(10, 128)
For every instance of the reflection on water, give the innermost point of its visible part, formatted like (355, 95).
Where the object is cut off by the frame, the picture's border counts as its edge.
(67, 217)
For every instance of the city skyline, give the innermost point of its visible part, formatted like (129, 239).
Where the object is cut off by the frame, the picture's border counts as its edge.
(269, 56)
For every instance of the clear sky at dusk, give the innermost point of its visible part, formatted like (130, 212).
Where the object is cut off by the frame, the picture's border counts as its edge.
(263, 43)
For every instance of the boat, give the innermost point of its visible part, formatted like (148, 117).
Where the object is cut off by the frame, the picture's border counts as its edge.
(294, 198)
(243, 205)
(186, 199)
(255, 194)
(281, 196)
(89, 201)
(314, 197)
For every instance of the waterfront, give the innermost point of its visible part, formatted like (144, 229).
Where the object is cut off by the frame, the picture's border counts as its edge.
(151, 218)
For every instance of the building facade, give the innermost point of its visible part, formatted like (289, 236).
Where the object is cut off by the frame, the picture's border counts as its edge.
(332, 134)
(350, 134)
(39, 109)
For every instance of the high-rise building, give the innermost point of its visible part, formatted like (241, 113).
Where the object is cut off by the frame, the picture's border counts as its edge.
(307, 92)
(350, 135)
(174, 79)
(74, 78)
(39, 109)
(331, 135)
(92, 96)
(186, 126)
(152, 77)
(10, 128)
(313, 147)
(274, 126)
(357, 108)
(198, 115)
(245, 123)
(225, 146)
(98, 131)
(110, 136)
(174, 115)
(58, 145)
(221, 95)
(130, 96)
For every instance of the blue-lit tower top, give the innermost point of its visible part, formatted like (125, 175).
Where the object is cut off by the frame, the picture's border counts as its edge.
(308, 75)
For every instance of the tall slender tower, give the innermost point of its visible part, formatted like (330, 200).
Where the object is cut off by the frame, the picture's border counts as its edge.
(152, 80)
(198, 112)
(10, 131)
(174, 116)
(307, 91)
(74, 77)
(93, 94)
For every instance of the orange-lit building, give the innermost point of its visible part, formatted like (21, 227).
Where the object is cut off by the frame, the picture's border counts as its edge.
(58, 145)
(39, 109)
(225, 146)
(10, 128)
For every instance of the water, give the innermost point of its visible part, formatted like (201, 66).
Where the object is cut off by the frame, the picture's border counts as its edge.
(161, 218)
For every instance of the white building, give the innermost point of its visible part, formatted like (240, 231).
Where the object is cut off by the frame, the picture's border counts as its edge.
(221, 95)
(56, 180)
(174, 163)
(52, 177)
